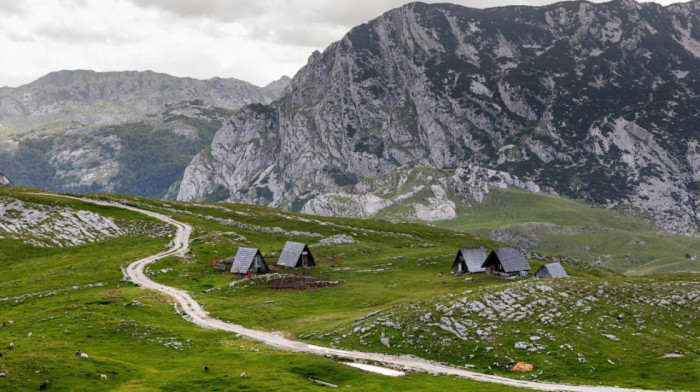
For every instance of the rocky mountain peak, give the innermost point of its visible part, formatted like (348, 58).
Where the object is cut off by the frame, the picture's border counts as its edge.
(593, 101)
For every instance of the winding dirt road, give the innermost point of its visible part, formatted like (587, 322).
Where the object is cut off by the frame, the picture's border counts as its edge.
(199, 316)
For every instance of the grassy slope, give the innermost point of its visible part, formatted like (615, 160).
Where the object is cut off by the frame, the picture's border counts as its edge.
(619, 241)
(134, 345)
(412, 284)
(360, 293)
(128, 342)
(612, 330)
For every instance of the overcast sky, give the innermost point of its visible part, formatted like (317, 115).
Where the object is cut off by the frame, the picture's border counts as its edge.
(253, 40)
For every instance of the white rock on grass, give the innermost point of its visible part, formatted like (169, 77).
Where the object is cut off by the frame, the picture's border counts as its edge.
(49, 226)
(337, 240)
(385, 340)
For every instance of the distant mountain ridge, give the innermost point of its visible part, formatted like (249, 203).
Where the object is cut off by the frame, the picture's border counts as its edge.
(595, 101)
(145, 157)
(99, 98)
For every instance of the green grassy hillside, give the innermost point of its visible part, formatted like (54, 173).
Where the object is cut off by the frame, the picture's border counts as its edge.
(554, 225)
(640, 332)
(72, 298)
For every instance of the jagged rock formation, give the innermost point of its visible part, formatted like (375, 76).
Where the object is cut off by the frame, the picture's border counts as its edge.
(594, 101)
(99, 98)
(4, 181)
(144, 157)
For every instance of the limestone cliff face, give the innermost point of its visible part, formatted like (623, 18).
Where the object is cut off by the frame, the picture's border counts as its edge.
(594, 101)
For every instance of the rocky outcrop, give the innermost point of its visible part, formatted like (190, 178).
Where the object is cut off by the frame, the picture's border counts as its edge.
(417, 193)
(99, 98)
(49, 226)
(4, 181)
(593, 101)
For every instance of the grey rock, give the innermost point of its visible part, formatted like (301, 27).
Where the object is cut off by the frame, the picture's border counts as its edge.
(592, 101)
(4, 181)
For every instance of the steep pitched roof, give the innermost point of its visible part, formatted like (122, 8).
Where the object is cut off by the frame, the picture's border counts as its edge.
(290, 254)
(511, 259)
(474, 258)
(244, 258)
(554, 270)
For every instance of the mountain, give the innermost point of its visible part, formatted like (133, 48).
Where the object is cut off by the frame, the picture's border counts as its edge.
(429, 106)
(99, 98)
(144, 157)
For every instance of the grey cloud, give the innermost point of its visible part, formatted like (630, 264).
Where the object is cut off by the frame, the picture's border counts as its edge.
(82, 35)
(309, 36)
(18, 36)
(220, 10)
(12, 7)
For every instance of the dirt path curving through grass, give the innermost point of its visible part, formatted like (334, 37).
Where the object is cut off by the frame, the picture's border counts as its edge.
(199, 316)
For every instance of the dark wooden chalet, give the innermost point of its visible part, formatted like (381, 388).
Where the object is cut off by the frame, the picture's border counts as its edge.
(249, 260)
(506, 262)
(469, 260)
(296, 255)
(551, 270)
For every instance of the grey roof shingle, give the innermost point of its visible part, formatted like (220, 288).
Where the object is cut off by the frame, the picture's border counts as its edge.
(244, 258)
(474, 258)
(551, 270)
(290, 254)
(511, 259)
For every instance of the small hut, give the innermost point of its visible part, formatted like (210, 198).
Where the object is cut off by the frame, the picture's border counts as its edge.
(225, 265)
(220, 266)
(249, 260)
(296, 255)
(506, 262)
(551, 270)
(469, 260)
